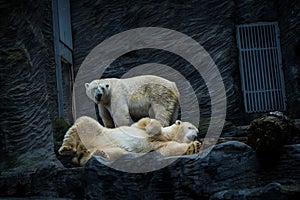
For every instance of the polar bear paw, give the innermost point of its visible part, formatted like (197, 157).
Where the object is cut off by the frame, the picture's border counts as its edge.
(102, 154)
(66, 150)
(193, 148)
(151, 126)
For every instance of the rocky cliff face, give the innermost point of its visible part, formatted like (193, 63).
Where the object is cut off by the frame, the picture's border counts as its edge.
(27, 77)
(230, 171)
(290, 27)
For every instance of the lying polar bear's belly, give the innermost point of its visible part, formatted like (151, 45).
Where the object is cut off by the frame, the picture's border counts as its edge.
(129, 138)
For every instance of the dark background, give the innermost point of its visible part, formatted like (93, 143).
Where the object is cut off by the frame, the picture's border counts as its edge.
(29, 107)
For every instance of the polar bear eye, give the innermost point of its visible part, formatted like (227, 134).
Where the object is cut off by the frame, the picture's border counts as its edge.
(190, 128)
(101, 87)
(107, 86)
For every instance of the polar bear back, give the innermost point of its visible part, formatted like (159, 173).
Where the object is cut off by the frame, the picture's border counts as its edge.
(146, 80)
(147, 90)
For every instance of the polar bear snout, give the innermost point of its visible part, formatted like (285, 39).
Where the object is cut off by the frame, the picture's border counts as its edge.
(192, 133)
(98, 95)
(192, 136)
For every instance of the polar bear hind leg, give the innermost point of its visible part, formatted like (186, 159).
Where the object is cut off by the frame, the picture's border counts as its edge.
(163, 102)
(82, 155)
(164, 113)
(165, 108)
(73, 145)
(175, 113)
(69, 145)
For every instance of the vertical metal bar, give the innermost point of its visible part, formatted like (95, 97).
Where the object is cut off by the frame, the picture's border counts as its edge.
(275, 66)
(259, 75)
(65, 30)
(274, 73)
(276, 70)
(269, 69)
(57, 58)
(249, 67)
(265, 69)
(260, 66)
(253, 71)
(269, 74)
(242, 72)
(245, 67)
(280, 67)
(250, 71)
(254, 67)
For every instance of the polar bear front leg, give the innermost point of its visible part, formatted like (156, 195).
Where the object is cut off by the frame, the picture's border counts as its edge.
(120, 114)
(193, 148)
(177, 149)
(106, 117)
(162, 114)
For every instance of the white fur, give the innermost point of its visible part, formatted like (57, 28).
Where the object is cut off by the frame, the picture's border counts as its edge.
(135, 97)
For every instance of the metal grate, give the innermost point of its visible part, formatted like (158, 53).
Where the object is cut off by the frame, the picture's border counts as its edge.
(261, 67)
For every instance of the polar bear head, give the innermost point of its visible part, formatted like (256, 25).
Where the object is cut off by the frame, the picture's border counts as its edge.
(98, 90)
(182, 132)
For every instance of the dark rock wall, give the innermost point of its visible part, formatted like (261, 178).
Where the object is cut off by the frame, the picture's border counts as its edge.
(210, 23)
(48, 182)
(251, 11)
(27, 75)
(287, 13)
(28, 102)
(290, 44)
(230, 171)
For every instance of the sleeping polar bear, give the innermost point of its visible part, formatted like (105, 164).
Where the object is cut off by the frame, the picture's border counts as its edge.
(87, 137)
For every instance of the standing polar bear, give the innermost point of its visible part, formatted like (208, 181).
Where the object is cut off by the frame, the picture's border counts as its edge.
(120, 100)
(87, 137)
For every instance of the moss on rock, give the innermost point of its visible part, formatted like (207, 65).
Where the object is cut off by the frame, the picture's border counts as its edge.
(60, 127)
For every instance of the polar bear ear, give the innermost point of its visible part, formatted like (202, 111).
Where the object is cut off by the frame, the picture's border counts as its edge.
(87, 85)
(178, 122)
